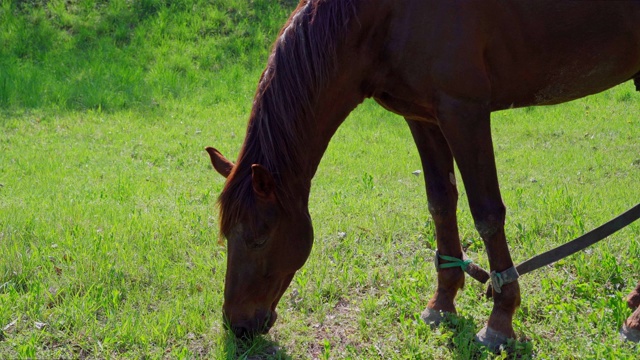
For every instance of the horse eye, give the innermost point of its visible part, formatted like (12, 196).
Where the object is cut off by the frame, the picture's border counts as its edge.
(259, 242)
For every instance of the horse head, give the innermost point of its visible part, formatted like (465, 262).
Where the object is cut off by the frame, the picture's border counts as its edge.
(267, 242)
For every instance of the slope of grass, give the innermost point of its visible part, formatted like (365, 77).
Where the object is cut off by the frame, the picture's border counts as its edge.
(89, 54)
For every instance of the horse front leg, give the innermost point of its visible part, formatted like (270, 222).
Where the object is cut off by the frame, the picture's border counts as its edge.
(631, 328)
(442, 198)
(467, 128)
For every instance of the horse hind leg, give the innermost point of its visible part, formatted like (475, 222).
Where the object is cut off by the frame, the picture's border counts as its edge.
(442, 195)
(631, 328)
(636, 81)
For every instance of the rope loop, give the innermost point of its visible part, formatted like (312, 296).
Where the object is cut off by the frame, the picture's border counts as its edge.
(454, 262)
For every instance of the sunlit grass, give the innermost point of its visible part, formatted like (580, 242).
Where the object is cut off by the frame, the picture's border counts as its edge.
(109, 236)
(78, 55)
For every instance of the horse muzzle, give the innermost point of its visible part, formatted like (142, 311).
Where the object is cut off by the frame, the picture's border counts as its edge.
(260, 323)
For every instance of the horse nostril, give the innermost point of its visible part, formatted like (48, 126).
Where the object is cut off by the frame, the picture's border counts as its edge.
(247, 329)
(242, 332)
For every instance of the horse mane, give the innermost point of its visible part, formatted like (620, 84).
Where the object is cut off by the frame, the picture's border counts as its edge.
(301, 63)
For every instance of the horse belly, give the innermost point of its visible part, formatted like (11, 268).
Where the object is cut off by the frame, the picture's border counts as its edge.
(578, 50)
(412, 110)
(568, 83)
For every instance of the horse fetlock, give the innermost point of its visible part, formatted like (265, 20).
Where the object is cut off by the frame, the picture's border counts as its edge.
(443, 299)
(633, 321)
(508, 300)
(505, 304)
(449, 282)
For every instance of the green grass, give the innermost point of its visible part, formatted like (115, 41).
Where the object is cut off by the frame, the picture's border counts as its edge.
(108, 224)
(90, 54)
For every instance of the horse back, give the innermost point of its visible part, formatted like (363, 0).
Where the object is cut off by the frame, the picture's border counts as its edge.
(509, 53)
(560, 51)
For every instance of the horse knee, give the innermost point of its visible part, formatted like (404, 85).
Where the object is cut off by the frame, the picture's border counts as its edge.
(442, 198)
(490, 221)
(441, 209)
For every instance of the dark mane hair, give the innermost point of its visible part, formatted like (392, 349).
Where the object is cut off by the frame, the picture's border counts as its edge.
(299, 67)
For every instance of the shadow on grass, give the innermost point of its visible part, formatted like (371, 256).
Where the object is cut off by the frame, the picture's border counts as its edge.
(463, 345)
(258, 348)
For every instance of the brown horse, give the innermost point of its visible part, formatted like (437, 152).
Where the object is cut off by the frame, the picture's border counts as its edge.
(444, 65)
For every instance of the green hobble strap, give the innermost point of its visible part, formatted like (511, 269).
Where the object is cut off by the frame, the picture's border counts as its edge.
(453, 262)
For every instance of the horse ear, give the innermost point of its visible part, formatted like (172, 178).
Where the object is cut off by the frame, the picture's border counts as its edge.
(264, 186)
(220, 163)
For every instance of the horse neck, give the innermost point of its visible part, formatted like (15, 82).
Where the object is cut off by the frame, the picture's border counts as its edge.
(303, 97)
(292, 152)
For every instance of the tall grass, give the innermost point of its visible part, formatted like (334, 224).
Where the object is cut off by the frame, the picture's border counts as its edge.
(89, 54)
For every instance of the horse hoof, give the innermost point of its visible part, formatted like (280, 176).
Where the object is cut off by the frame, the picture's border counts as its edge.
(629, 334)
(492, 339)
(432, 317)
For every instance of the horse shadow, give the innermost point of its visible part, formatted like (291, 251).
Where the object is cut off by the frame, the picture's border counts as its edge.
(458, 336)
(462, 344)
(256, 348)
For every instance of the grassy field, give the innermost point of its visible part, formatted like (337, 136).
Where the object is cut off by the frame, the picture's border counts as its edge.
(108, 223)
